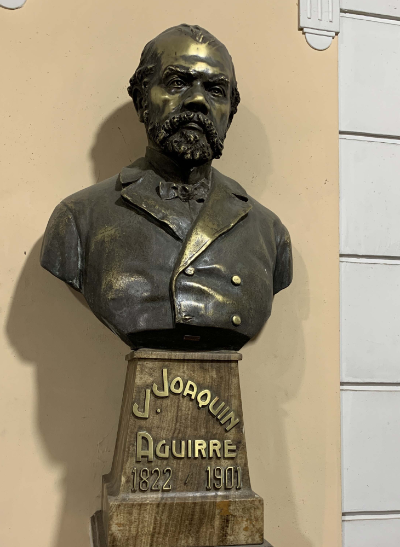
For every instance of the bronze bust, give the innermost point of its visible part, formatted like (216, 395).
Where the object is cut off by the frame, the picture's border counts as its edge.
(170, 253)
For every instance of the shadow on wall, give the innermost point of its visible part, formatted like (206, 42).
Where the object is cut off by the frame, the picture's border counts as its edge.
(80, 372)
(80, 364)
(120, 140)
(283, 356)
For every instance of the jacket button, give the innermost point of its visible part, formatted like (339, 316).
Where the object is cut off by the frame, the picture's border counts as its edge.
(236, 280)
(189, 270)
(236, 320)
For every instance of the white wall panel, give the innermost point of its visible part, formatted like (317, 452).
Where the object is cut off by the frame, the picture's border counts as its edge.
(370, 450)
(371, 533)
(369, 197)
(369, 86)
(369, 76)
(378, 7)
(370, 323)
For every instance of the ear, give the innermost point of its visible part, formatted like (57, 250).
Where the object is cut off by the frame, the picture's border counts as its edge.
(139, 103)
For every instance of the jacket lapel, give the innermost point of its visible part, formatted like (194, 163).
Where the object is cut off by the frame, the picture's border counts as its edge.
(225, 206)
(139, 189)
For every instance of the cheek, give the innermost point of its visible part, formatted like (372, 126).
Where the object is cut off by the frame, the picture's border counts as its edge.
(161, 103)
(221, 116)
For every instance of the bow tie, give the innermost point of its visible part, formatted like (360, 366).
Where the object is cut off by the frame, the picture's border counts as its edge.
(185, 192)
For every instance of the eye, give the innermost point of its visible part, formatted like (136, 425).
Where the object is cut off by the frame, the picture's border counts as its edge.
(178, 83)
(217, 91)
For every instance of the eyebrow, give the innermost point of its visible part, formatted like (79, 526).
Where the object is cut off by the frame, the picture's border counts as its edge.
(184, 71)
(219, 79)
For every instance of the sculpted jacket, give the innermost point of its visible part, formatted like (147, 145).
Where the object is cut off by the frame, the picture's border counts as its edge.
(157, 279)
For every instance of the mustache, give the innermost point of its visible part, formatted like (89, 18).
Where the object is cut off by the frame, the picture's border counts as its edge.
(173, 124)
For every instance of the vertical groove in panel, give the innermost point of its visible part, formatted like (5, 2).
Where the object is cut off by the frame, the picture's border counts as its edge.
(309, 9)
(320, 10)
(330, 10)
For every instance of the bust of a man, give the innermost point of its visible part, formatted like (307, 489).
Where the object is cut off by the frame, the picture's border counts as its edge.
(170, 253)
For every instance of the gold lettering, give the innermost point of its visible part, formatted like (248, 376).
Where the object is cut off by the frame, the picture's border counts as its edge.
(228, 483)
(201, 401)
(228, 446)
(218, 478)
(200, 446)
(223, 412)
(239, 478)
(164, 392)
(177, 380)
(190, 389)
(182, 452)
(211, 407)
(231, 417)
(145, 413)
(215, 446)
(164, 454)
(189, 449)
(141, 452)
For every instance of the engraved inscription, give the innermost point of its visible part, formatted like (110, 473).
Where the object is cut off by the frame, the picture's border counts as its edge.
(177, 386)
(188, 458)
(153, 480)
(226, 478)
(146, 447)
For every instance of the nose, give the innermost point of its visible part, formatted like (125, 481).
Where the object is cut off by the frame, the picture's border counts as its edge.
(196, 100)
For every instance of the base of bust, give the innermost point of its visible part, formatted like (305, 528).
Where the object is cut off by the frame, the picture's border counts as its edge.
(98, 536)
(180, 474)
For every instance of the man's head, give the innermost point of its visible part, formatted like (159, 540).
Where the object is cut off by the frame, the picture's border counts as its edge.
(185, 93)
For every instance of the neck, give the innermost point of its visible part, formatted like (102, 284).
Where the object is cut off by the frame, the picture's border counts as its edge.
(173, 171)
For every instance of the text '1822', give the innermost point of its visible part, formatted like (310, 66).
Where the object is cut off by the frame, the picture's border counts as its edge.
(154, 480)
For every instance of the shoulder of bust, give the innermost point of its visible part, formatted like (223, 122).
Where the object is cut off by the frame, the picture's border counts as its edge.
(230, 184)
(263, 213)
(92, 194)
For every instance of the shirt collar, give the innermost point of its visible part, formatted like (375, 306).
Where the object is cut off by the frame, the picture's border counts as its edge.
(141, 166)
(170, 170)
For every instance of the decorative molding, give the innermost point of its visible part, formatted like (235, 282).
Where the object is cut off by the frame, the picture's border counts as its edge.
(372, 515)
(369, 137)
(374, 18)
(360, 259)
(12, 4)
(356, 386)
(320, 22)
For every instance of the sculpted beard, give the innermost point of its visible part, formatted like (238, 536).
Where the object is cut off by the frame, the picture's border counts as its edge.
(187, 144)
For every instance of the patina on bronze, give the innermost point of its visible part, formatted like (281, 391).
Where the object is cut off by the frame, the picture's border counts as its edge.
(170, 253)
(174, 256)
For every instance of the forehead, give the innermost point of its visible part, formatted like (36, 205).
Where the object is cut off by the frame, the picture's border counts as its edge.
(183, 51)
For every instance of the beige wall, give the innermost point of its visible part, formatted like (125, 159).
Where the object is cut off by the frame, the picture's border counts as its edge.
(68, 123)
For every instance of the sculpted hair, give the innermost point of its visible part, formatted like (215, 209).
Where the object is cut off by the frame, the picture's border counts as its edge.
(149, 58)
